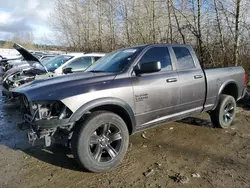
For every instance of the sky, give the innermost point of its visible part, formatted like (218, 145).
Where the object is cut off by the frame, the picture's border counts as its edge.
(26, 16)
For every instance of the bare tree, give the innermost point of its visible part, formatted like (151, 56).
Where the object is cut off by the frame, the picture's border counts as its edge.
(178, 23)
(219, 30)
(236, 37)
(220, 33)
(169, 2)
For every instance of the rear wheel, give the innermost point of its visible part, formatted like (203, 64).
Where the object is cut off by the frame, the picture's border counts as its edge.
(100, 143)
(224, 114)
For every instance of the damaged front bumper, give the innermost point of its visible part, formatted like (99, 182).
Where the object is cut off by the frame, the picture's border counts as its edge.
(45, 129)
(42, 126)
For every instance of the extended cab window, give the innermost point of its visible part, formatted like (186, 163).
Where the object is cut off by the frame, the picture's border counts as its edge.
(158, 54)
(184, 58)
(80, 63)
(96, 58)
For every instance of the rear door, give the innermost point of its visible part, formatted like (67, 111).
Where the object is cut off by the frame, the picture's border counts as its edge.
(156, 95)
(191, 80)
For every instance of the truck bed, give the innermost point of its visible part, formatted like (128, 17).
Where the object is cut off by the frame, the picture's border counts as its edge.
(218, 78)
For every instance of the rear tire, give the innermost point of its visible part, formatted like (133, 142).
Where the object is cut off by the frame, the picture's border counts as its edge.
(100, 142)
(224, 114)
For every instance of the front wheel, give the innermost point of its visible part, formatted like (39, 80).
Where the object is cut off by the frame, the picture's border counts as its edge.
(224, 114)
(100, 142)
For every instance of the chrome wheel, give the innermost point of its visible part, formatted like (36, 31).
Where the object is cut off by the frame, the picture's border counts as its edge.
(228, 113)
(105, 142)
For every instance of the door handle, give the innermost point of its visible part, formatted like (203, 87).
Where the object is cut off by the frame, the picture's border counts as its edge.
(172, 80)
(198, 76)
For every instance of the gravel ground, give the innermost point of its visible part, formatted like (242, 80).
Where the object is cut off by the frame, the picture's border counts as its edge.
(188, 153)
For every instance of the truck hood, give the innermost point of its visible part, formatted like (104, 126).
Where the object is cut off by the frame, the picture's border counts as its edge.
(61, 87)
(31, 59)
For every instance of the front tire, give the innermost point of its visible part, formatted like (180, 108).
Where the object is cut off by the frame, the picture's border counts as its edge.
(100, 142)
(224, 114)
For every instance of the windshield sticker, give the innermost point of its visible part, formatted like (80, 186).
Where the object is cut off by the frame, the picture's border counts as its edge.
(130, 51)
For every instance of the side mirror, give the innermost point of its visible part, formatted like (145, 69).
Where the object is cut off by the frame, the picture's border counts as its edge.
(148, 67)
(67, 70)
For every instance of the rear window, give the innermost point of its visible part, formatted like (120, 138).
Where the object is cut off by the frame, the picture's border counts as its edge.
(184, 58)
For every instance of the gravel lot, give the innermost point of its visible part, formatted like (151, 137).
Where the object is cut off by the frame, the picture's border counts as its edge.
(189, 153)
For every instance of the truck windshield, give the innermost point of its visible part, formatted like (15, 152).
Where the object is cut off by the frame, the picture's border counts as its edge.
(53, 63)
(114, 61)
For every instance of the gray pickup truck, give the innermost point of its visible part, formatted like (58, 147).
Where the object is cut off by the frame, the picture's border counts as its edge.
(127, 91)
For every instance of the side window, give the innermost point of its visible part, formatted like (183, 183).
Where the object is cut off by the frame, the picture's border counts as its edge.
(96, 58)
(80, 64)
(158, 54)
(184, 58)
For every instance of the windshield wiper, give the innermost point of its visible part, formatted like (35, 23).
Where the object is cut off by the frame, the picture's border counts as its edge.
(96, 71)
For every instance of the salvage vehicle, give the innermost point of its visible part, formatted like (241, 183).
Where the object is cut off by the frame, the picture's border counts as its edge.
(28, 58)
(59, 65)
(127, 91)
(5, 61)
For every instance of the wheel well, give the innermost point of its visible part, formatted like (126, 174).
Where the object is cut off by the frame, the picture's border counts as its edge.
(231, 89)
(119, 111)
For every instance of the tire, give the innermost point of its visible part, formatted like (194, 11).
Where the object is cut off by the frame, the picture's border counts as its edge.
(224, 114)
(91, 141)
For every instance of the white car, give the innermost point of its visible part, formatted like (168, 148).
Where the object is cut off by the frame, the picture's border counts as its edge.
(59, 65)
(71, 62)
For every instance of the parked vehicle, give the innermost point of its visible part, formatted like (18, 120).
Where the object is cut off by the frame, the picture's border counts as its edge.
(46, 57)
(28, 58)
(127, 91)
(5, 61)
(59, 65)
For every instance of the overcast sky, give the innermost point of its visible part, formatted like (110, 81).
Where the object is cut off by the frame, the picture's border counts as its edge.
(25, 15)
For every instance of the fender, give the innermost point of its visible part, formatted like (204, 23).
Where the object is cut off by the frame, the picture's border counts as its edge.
(101, 102)
(222, 87)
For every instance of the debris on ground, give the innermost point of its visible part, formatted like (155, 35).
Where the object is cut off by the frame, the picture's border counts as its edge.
(171, 128)
(148, 173)
(158, 186)
(159, 146)
(130, 145)
(178, 178)
(196, 175)
(158, 164)
(144, 135)
(144, 146)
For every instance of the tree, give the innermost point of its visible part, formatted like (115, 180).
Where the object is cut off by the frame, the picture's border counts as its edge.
(236, 37)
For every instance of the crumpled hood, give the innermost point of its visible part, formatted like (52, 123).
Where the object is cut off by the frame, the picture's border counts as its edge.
(61, 87)
(12, 71)
(14, 63)
(16, 70)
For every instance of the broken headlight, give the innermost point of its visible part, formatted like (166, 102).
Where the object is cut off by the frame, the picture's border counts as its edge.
(45, 110)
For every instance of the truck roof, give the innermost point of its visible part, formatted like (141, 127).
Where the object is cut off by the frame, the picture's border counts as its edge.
(156, 44)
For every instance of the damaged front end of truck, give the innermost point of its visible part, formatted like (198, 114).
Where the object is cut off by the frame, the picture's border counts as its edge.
(48, 120)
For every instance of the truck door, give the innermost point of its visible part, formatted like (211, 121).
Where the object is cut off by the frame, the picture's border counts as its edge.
(156, 95)
(191, 79)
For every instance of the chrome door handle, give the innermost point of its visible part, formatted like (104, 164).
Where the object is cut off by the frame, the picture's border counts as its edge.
(198, 76)
(172, 80)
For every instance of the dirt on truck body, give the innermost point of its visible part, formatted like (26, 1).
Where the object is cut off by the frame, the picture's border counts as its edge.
(127, 91)
(188, 153)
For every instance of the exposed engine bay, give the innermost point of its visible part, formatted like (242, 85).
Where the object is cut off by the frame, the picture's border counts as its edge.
(38, 112)
(24, 76)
